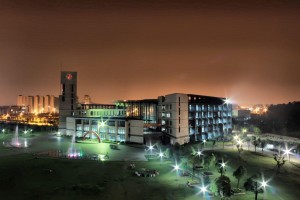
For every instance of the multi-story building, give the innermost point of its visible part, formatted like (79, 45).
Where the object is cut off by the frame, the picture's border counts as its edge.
(67, 98)
(241, 115)
(39, 104)
(189, 117)
(108, 122)
(183, 117)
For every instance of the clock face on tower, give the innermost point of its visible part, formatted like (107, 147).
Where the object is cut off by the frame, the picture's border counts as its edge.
(69, 76)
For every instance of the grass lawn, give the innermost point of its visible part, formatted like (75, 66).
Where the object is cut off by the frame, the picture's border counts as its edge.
(283, 185)
(23, 177)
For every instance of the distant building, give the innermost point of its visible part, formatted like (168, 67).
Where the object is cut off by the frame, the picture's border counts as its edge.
(87, 99)
(39, 103)
(259, 109)
(241, 115)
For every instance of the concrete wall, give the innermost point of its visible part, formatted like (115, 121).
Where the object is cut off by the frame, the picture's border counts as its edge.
(173, 115)
(70, 126)
(135, 131)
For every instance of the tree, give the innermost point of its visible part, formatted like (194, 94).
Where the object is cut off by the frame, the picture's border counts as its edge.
(251, 184)
(223, 186)
(298, 148)
(209, 160)
(279, 159)
(221, 167)
(194, 160)
(168, 153)
(184, 162)
(256, 130)
(239, 173)
(255, 143)
(176, 149)
(213, 144)
(239, 148)
(263, 144)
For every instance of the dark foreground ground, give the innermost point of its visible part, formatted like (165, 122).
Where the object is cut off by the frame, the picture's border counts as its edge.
(26, 177)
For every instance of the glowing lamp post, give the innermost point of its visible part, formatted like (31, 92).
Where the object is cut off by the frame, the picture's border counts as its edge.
(203, 190)
(176, 168)
(287, 152)
(199, 153)
(240, 142)
(223, 165)
(264, 184)
(236, 137)
(227, 101)
(204, 141)
(161, 155)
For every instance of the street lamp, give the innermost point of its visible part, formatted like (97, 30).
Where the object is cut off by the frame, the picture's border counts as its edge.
(227, 101)
(199, 153)
(287, 152)
(161, 155)
(240, 142)
(176, 167)
(203, 189)
(264, 184)
(223, 165)
(236, 137)
(204, 141)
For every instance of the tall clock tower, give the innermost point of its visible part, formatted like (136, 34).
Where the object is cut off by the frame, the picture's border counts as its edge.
(67, 98)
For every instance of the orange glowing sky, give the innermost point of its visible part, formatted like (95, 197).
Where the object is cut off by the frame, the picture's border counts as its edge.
(142, 49)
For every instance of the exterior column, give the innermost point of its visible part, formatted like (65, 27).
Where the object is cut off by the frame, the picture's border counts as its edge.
(82, 131)
(116, 129)
(90, 128)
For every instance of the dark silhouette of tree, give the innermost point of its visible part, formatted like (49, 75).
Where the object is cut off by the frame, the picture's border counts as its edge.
(279, 159)
(252, 184)
(263, 144)
(298, 148)
(279, 119)
(255, 143)
(223, 186)
(239, 173)
(194, 161)
(239, 148)
(221, 167)
(213, 144)
(209, 160)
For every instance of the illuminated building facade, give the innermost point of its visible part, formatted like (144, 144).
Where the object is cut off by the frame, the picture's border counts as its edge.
(183, 117)
(39, 104)
(109, 122)
(189, 117)
(67, 98)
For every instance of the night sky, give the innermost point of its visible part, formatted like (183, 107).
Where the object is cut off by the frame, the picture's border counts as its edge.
(137, 49)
